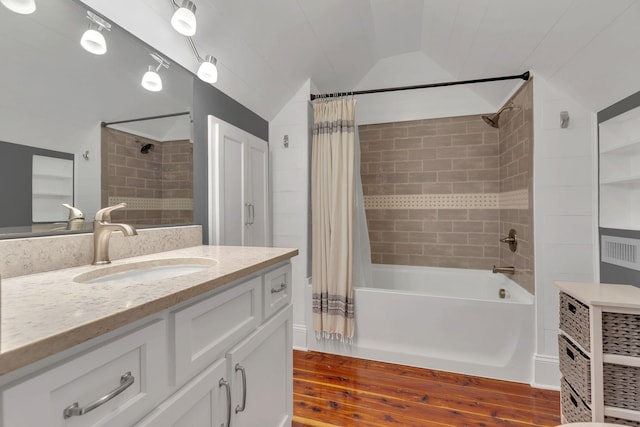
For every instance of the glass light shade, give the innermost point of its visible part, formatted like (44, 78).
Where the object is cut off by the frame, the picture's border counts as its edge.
(93, 41)
(151, 80)
(208, 71)
(23, 7)
(184, 21)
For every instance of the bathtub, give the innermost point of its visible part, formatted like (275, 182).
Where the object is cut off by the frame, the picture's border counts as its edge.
(445, 319)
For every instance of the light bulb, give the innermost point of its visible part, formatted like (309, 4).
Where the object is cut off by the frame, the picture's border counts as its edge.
(23, 7)
(151, 80)
(184, 19)
(93, 41)
(208, 71)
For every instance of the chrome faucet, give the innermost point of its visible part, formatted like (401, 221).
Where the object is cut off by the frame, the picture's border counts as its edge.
(102, 229)
(505, 270)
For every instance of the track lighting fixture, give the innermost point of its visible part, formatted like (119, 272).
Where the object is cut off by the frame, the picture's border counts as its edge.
(23, 7)
(93, 40)
(184, 18)
(184, 22)
(208, 71)
(151, 80)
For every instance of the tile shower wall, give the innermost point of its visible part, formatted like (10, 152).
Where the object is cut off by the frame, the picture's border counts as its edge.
(448, 172)
(442, 192)
(157, 186)
(516, 173)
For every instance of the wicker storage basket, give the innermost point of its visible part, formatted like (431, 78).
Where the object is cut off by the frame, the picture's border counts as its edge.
(622, 386)
(574, 320)
(573, 408)
(614, 420)
(575, 367)
(621, 334)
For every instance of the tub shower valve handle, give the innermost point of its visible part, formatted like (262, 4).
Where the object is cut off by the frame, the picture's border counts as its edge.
(511, 239)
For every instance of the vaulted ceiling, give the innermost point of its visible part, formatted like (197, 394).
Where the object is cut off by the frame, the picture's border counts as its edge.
(268, 48)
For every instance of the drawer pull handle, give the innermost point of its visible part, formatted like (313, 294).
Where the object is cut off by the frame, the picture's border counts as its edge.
(570, 354)
(74, 410)
(572, 308)
(240, 408)
(574, 401)
(282, 287)
(225, 384)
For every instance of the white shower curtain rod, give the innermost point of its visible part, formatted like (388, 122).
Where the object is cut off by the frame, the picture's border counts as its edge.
(524, 76)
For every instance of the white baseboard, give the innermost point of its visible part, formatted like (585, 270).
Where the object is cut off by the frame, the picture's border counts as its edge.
(300, 337)
(546, 372)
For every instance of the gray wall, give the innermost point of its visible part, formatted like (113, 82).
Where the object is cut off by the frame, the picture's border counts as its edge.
(16, 165)
(610, 273)
(207, 100)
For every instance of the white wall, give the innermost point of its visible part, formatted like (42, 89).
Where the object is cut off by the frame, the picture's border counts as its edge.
(565, 210)
(409, 69)
(289, 183)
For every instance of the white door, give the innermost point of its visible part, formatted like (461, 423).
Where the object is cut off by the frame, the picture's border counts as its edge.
(239, 182)
(257, 192)
(227, 213)
(261, 372)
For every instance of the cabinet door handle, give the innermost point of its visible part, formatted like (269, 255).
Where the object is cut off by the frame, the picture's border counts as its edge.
(225, 384)
(572, 308)
(240, 408)
(570, 354)
(247, 220)
(282, 287)
(126, 381)
(253, 213)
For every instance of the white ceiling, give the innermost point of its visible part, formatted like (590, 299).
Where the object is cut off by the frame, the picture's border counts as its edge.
(267, 49)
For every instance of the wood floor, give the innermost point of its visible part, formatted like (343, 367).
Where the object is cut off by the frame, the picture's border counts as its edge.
(330, 390)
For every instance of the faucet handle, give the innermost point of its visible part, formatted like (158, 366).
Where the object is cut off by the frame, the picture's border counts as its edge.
(104, 214)
(74, 213)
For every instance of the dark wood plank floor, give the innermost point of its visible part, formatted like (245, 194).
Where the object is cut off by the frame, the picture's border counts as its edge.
(332, 391)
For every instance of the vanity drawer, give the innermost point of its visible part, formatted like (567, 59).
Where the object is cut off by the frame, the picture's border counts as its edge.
(277, 290)
(135, 365)
(574, 320)
(203, 331)
(575, 367)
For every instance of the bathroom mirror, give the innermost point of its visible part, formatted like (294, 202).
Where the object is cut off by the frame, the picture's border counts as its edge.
(54, 95)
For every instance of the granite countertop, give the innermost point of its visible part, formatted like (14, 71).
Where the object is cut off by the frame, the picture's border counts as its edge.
(45, 313)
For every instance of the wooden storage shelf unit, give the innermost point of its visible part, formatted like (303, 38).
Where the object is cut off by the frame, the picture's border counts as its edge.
(599, 350)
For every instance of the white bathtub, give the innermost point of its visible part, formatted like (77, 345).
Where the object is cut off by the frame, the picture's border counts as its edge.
(445, 319)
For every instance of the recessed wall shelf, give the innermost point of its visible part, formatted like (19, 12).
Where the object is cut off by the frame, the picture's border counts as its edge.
(619, 155)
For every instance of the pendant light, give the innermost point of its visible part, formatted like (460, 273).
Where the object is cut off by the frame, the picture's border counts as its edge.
(93, 40)
(23, 7)
(184, 18)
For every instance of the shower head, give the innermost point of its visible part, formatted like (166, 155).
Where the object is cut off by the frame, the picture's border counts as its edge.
(147, 148)
(493, 119)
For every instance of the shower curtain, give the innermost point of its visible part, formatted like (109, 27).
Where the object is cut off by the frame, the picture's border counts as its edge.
(335, 166)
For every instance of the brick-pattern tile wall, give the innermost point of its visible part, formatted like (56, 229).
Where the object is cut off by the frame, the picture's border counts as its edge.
(516, 173)
(458, 155)
(177, 179)
(126, 172)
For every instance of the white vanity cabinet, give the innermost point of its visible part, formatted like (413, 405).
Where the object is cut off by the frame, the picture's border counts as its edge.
(261, 375)
(212, 361)
(58, 396)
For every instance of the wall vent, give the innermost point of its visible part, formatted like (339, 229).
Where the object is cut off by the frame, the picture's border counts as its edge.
(621, 251)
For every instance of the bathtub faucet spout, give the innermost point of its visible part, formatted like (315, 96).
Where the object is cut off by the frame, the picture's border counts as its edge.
(505, 270)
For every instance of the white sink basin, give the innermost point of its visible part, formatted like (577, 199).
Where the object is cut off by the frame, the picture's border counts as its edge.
(145, 271)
